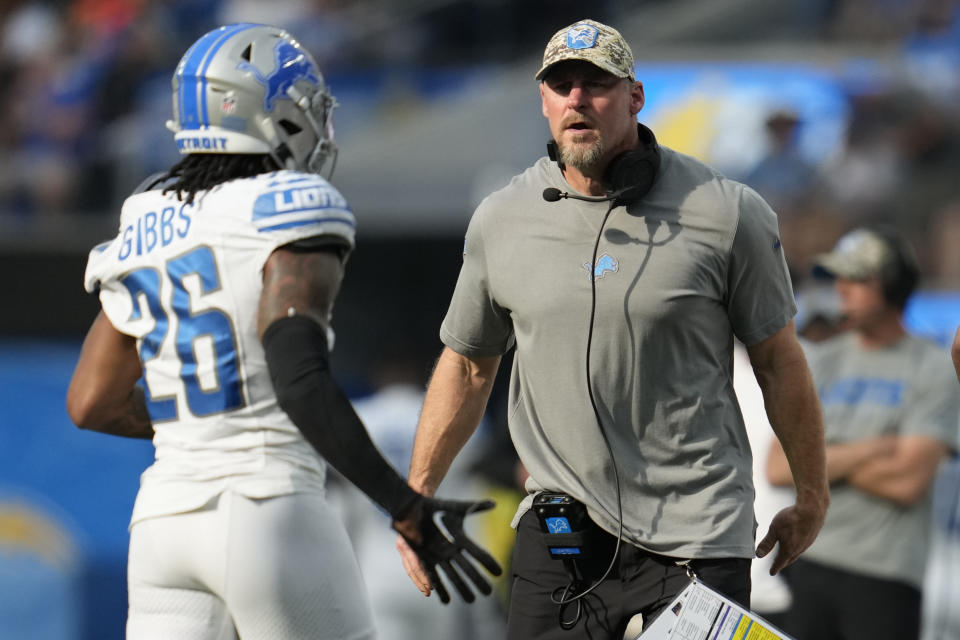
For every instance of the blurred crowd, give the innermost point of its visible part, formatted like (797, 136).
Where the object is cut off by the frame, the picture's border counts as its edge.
(896, 165)
(82, 119)
(88, 81)
(896, 168)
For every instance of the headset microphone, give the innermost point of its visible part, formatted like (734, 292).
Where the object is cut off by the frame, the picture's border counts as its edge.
(552, 194)
(631, 174)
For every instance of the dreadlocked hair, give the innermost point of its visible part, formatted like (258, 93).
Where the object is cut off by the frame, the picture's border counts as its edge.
(201, 171)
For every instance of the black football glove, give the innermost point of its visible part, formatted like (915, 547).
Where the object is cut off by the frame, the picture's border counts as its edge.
(445, 549)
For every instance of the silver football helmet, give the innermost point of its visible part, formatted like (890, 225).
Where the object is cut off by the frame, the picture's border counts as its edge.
(251, 88)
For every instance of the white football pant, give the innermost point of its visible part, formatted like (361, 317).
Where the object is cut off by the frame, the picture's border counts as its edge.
(280, 568)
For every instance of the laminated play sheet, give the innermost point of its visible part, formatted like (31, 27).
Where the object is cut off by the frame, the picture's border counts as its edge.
(700, 613)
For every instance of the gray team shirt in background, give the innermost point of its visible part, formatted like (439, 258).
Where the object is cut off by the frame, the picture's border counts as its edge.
(906, 389)
(695, 262)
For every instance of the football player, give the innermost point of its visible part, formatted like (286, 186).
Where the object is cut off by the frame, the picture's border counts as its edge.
(218, 291)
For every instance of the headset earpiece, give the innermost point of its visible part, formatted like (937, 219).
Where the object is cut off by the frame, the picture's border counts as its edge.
(636, 170)
(901, 273)
(554, 154)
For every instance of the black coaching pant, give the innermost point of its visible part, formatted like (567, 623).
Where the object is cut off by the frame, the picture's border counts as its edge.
(832, 604)
(640, 582)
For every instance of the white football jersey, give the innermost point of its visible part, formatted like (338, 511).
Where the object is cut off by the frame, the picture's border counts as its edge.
(185, 280)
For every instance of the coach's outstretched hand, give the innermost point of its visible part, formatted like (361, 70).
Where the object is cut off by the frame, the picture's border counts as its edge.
(425, 547)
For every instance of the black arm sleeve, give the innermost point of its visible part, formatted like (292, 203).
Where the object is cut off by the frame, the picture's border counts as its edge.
(297, 357)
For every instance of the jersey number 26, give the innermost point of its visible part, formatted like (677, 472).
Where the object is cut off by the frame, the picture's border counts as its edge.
(145, 284)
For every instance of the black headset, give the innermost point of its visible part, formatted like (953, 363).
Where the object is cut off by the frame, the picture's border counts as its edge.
(636, 170)
(900, 274)
(630, 175)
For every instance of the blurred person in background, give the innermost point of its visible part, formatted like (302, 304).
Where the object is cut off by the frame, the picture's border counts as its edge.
(818, 315)
(890, 407)
(634, 426)
(791, 185)
(401, 612)
(783, 176)
(218, 291)
(941, 586)
(861, 181)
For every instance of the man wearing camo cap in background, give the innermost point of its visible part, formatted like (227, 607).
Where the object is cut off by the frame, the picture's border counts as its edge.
(621, 271)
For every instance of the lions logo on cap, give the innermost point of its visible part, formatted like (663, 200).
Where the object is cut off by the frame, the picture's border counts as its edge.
(581, 36)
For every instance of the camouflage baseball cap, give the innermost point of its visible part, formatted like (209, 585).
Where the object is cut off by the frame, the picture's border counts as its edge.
(592, 42)
(859, 255)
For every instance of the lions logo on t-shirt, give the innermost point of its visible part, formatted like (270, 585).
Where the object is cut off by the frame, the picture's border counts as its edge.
(605, 264)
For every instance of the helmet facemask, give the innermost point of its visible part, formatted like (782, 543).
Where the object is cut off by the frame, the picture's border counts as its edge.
(317, 110)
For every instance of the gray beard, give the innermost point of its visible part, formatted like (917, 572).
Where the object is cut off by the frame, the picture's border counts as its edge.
(581, 157)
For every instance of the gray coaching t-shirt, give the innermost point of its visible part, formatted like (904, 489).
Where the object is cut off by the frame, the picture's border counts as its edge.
(695, 262)
(909, 388)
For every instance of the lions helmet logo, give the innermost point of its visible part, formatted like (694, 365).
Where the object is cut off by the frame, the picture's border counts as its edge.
(292, 66)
